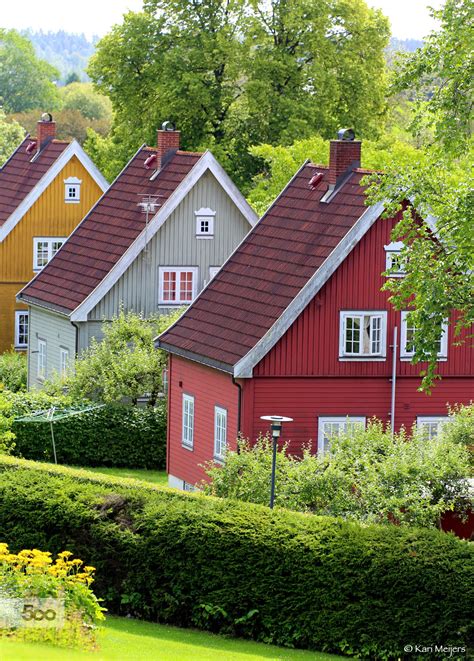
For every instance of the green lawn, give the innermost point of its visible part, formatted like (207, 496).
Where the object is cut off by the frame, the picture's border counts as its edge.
(156, 477)
(121, 639)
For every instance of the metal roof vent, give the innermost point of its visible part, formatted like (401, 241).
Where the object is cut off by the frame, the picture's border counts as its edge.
(346, 134)
(168, 126)
(46, 117)
(315, 179)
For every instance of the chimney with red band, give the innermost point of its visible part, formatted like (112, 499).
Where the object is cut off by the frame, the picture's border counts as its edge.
(344, 155)
(168, 143)
(46, 130)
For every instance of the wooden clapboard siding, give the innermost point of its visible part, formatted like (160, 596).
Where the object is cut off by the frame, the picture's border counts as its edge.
(49, 216)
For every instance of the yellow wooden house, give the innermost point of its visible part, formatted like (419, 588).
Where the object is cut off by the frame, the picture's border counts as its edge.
(47, 186)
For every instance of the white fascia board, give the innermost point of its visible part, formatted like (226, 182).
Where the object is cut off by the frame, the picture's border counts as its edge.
(73, 149)
(244, 368)
(206, 162)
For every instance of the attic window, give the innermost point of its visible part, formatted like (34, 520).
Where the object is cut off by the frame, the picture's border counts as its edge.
(72, 190)
(394, 264)
(205, 223)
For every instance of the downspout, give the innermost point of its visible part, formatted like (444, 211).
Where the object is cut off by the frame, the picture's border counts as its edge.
(168, 413)
(394, 379)
(239, 407)
(76, 349)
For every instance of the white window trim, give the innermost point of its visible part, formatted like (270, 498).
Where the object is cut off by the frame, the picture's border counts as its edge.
(72, 182)
(394, 248)
(204, 213)
(322, 420)
(177, 269)
(49, 240)
(63, 368)
(408, 355)
(429, 419)
(185, 443)
(219, 410)
(213, 271)
(343, 356)
(41, 374)
(18, 314)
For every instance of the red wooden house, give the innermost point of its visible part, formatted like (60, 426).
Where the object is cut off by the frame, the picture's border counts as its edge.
(295, 324)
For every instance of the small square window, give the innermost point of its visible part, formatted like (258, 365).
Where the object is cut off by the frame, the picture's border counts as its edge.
(72, 190)
(394, 261)
(205, 223)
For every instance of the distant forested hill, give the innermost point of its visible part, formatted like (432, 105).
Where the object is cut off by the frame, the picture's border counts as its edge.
(68, 52)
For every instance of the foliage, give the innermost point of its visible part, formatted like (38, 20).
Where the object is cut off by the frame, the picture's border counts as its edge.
(440, 272)
(125, 364)
(236, 568)
(13, 371)
(66, 51)
(461, 429)
(82, 97)
(282, 162)
(370, 476)
(11, 134)
(70, 124)
(235, 73)
(32, 573)
(115, 435)
(6, 421)
(25, 81)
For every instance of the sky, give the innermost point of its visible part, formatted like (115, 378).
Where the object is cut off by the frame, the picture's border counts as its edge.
(409, 18)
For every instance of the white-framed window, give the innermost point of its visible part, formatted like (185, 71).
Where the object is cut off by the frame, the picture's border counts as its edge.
(41, 359)
(431, 425)
(63, 360)
(328, 427)
(220, 433)
(187, 486)
(177, 285)
(205, 223)
(407, 335)
(44, 249)
(393, 259)
(188, 422)
(72, 190)
(213, 270)
(21, 329)
(362, 335)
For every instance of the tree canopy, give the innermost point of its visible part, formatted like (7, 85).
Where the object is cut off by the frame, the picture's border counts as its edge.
(232, 73)
(25, 81)
(11, 134)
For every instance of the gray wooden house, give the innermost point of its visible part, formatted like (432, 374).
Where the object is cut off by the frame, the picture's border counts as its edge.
(151, 243)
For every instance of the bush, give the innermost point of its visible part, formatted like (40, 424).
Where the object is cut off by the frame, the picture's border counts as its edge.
(114, 435)
(31, 574)
(369, 476)
(461, 429)
(6, 421)
(224, 566)
(13, 371)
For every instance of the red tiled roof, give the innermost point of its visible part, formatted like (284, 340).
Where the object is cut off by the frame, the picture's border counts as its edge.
(20, 174)
(268, 270)
(106, 232)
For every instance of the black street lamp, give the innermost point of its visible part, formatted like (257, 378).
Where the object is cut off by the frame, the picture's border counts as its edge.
(277, 421)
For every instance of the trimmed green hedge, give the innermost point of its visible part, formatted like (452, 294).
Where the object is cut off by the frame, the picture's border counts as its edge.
(281, 577)
(114, 435)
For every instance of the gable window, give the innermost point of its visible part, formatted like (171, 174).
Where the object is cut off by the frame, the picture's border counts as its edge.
(213, 270)
(394, 262)
(44, 250)
(330, 427)
(205, 223)
(362, 335)
(21, 329)
(407, 339)
(177, 285)
(72, 190)
(187, 439)
(431, 426)
(63, 360)
(41, 361)
(220, 433)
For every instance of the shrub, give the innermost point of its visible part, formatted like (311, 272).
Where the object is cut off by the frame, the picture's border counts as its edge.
(369, 476)
(33, 574)
(231, 567)
(6, 421)
(461, 429)
(13, 371)
(114, 435)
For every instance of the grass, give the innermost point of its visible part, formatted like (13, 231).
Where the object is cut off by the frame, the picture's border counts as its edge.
(153, 476)
(122, 638)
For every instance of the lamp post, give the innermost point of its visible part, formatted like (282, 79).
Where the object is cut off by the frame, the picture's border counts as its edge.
(277, 421)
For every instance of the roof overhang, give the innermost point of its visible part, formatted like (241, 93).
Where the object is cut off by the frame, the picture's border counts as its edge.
(73, 149)
(196, 358)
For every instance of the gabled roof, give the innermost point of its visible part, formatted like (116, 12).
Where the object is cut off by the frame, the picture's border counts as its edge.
(25, 176)
(273, 274)
(114, 232)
